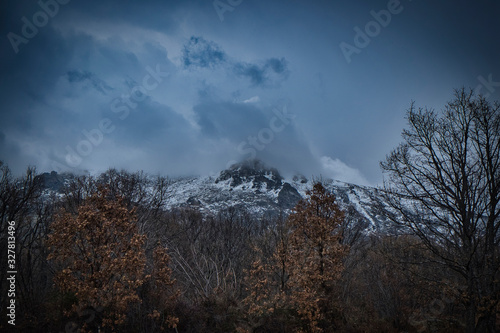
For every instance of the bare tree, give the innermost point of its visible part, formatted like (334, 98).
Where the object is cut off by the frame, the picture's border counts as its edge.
(20, 201)
(444, 183)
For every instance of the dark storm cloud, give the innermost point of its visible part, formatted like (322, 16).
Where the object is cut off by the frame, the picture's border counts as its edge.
(224, 78)
(50, 99)
(63, 83)
(266, 133)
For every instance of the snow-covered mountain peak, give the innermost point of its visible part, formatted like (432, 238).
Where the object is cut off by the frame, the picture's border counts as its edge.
(261, 190)
(252, 172)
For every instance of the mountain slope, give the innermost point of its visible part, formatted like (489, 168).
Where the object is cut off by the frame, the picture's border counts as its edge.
(262, 191)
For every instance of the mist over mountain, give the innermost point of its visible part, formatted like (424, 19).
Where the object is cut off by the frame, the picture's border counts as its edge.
(261, 190)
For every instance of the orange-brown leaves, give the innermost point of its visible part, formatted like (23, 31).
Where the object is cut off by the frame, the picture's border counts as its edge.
(162, 292)
(316, 253)
(301, 274)
(101, 255)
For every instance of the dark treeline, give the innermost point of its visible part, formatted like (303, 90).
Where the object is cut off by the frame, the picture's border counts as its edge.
(212, 261)
(104, 254)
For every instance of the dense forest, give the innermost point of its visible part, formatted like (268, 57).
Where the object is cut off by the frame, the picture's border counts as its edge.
(105, 255)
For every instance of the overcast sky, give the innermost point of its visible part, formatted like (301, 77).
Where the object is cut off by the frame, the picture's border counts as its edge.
(183, 87)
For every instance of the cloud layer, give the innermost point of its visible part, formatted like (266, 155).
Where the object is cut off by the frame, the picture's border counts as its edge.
(168, 87)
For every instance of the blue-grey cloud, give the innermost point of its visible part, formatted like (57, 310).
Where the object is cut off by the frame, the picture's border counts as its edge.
(228, 120)
(86, 76)
(224, 78)
(199, 52)
(268, 133)
(272, 71)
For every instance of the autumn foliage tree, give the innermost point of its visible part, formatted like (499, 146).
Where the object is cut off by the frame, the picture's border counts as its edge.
(266, 280)
(316, 254)
(306, 265)
(101, 257)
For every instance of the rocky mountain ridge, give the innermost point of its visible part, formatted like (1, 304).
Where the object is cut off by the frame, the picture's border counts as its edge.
(261, 191)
